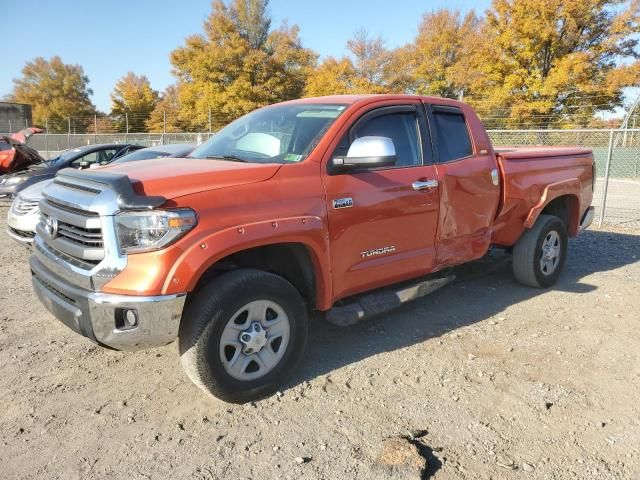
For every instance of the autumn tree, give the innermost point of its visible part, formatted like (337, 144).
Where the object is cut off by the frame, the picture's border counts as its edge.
(442, 60)
(133, 96)
(554, 62)
(239, 63)
(371, 61)
(369, 68)
(56, 91)
(332, 77)
(102, 123)
(167, 110)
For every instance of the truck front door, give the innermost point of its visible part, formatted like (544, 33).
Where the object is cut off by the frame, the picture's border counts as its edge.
(382, 222)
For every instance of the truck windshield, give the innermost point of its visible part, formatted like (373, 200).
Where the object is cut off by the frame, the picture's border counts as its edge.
(276, 134)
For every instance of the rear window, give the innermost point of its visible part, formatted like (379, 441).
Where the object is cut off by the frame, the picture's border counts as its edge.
(452, 134)
(4, 146)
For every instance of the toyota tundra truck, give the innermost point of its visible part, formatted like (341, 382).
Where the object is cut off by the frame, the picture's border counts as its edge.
(347, 205)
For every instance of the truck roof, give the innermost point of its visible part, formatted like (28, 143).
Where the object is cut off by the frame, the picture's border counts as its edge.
(351, 99)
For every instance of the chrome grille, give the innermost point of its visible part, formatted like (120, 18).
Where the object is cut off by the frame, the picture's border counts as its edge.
(73, 232)
(51, 252)
(75, 238)
(22, 206)
(90, 237)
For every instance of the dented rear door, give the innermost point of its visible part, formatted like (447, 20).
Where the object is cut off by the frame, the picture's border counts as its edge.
(469, 184)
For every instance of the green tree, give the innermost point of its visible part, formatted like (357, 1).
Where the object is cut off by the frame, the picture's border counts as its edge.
(240, 63)
(133, 96)
(56, 91)
(554, 62)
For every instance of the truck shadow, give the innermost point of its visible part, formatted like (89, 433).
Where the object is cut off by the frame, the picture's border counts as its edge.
(486, 286)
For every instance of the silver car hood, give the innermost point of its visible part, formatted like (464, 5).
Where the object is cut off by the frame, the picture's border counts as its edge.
(34, 192)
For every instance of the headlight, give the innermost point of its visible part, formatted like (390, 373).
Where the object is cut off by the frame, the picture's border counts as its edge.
(15, 180)
(152, 230)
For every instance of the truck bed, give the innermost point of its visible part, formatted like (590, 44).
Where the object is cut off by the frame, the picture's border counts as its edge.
(526, 173)
(529, 152)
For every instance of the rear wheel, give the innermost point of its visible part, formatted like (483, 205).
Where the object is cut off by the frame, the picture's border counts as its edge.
(539, 254)
(243, 334)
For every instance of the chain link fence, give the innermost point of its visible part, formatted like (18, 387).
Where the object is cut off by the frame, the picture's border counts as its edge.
(50, 145)
(617, 154)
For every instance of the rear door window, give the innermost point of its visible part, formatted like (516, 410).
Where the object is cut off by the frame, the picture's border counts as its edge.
(452, 134)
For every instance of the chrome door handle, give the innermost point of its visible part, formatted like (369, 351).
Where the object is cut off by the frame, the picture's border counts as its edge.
(427, 184)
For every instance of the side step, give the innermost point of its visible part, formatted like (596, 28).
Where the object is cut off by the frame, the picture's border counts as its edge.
(382, 301)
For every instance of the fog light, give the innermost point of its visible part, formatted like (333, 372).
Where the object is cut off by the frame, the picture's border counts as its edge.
(130, 318)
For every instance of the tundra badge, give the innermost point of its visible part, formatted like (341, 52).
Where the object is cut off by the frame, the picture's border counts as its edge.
(343, 202)
(378, 251)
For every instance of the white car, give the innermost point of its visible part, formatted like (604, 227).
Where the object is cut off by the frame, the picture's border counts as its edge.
(24, 213)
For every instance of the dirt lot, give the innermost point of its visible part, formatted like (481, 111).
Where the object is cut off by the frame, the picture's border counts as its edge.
(484, 379)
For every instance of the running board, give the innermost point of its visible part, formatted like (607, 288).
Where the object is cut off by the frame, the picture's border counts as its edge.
(383, 301)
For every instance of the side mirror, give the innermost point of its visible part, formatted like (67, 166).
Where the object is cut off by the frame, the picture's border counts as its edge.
(83, 164)
(367, 152)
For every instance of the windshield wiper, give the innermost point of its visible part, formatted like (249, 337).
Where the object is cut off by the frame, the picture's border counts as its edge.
(231, 158)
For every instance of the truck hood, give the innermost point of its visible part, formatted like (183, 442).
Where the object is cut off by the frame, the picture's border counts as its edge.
(175, 177)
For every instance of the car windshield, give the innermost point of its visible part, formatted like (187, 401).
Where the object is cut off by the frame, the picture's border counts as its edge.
(276, 134)
(69, 154)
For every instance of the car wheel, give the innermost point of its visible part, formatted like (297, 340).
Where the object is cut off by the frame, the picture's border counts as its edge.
(539, 254)
(243, 334)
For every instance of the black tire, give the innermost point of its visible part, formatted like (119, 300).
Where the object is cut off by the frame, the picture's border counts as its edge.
(206, 315)
(528, 252)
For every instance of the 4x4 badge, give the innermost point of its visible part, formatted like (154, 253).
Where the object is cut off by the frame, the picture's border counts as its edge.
(343, 202)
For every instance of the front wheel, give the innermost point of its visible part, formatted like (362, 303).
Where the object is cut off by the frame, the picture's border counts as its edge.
(539, 254)
(243, 334)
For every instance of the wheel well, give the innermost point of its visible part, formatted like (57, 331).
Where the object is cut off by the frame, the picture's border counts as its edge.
(566, 209)
(291, 261)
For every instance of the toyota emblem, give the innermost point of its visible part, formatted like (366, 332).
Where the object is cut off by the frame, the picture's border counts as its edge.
(51, 226)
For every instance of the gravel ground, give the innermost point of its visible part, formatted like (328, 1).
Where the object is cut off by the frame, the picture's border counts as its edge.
(483, 379)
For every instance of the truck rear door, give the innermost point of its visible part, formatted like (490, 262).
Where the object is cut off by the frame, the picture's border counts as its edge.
(469, 183)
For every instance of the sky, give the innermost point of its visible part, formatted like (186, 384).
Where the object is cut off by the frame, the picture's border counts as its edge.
(110, 38)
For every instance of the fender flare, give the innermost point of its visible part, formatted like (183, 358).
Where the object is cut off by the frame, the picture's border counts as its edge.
(309, 231)
(550, 193)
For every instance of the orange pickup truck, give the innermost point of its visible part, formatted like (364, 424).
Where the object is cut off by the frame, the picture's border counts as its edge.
(347, 205)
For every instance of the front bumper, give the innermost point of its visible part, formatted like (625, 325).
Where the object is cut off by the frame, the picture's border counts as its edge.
(97, 315)
(7, 191)
(22, 227)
